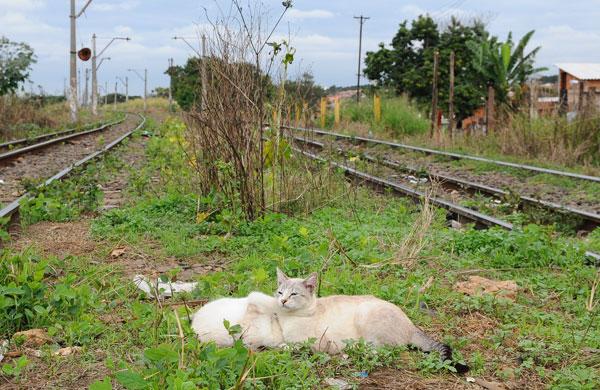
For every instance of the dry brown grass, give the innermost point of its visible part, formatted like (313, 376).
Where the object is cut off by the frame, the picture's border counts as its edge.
(15, 113)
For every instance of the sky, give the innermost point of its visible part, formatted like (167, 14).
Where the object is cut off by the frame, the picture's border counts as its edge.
(324, 33)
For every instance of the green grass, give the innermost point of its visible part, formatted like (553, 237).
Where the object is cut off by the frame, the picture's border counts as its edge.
(399, 116)
(538, 339)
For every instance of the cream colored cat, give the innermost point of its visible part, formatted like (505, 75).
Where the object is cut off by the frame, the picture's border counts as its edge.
(331, 320)
(257, 320)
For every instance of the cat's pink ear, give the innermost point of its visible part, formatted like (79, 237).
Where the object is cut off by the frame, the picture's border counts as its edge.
(311, 282)
(281, 277)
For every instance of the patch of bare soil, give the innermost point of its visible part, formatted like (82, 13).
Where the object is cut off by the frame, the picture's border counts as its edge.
(68, 373)
(403, 379)
(133, 159)
(58, 239)
(133, 260)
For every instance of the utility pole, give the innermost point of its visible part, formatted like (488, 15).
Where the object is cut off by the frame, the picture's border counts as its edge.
(170, 83)
(434, 94)
(362, 20)
(451, 97)
(73, 58)
(95, 67)
(105, 93)
(115, 98)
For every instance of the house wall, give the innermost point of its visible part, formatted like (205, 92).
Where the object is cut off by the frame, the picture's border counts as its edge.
(590, 92)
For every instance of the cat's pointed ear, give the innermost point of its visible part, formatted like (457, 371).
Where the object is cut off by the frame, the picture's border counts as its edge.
(311, 282)
(281, 277)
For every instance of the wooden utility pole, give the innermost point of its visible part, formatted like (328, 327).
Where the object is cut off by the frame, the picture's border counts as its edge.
(491, 104)
(451, 97)
(361, 20)
(73, 58)
(434, 94)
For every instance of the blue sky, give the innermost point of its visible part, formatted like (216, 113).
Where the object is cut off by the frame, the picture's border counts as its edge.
(324, 32)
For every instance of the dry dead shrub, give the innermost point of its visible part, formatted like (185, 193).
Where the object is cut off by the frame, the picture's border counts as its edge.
(233, 150)
(17, 113)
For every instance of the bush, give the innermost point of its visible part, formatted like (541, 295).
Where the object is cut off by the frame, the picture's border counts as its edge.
(398, 115)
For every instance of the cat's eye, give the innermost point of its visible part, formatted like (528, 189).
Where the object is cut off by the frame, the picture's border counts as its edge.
(279, 292)
(292, 294)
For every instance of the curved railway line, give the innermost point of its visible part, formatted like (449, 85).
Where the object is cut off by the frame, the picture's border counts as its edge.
(412, 186)
(70, 155)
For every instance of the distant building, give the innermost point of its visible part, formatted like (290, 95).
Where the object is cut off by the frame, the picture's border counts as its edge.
(579, 85)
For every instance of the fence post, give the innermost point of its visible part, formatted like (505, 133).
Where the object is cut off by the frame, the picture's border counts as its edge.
(323, 111)
(451, 97)
(305, 113)
(336, 111)
(434, 95)
(491, 104)
(377, 108)
(297, 114)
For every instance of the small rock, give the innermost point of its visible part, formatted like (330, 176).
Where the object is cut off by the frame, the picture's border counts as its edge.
(337, 383)
(67, 351)
(476, 285)
(456, 225)
(117, 252)
(34, 337)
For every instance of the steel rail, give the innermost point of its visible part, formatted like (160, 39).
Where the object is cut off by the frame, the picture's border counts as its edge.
(552, 206)
(448, 154)
(465, 212)
(27, 149)
(46, 136)
(12, 208)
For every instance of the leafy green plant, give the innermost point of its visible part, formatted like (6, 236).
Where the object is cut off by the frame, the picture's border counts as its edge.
(16, 367)
(60, 200)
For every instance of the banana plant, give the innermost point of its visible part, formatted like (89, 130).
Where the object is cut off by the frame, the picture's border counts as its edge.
(503, 65)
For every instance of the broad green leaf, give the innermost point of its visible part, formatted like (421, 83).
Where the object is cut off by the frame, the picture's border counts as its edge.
(162, 353)
(131, 380)
(104, 384)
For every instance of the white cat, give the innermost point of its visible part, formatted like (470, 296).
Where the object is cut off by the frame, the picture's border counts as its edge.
(257, 319)
(334, 319)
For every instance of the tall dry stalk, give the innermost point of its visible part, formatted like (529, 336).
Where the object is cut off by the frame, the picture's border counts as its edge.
(226, 132)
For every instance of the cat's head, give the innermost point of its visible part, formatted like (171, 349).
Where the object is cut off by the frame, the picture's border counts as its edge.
(295, 294)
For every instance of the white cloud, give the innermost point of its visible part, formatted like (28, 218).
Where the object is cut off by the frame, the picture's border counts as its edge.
(120, 6)
(563, 43)
(412, 11)
(21, 5)
(297, 14)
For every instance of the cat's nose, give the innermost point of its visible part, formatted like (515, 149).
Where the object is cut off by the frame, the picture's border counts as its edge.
(283, 301)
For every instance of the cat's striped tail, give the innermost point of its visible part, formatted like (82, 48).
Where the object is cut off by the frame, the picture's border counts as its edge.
(428, 344)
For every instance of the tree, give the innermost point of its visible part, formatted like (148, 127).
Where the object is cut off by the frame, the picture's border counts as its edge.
(503, 65)
(304, 89)
(407, 66)
(15, 63)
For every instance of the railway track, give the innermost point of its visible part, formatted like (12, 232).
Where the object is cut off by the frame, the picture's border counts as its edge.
(22, 142)
(457, 212)
(88, 153)
(396, 145)
(29, 144)
(590, 220)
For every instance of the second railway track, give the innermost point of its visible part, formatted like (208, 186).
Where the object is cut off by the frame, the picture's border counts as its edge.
(40, 161)
(413, 187)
